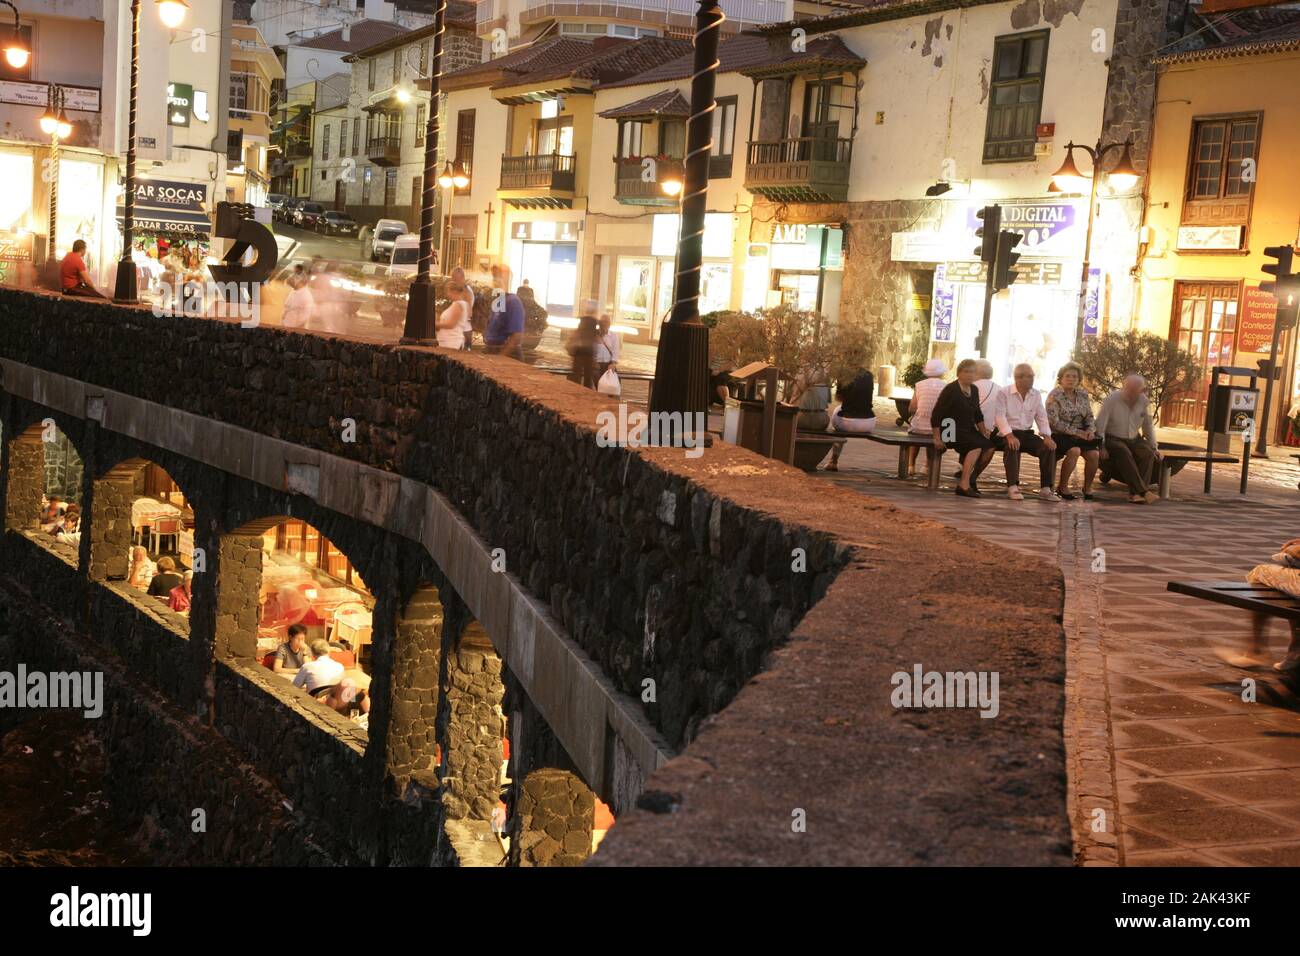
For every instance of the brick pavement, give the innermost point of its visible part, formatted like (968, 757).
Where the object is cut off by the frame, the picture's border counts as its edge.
(1168, 765)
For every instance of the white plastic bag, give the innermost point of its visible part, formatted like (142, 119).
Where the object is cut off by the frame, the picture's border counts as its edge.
(609, 384)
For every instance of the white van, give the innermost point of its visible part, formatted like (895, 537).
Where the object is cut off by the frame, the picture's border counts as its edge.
(379, 243)
(405, 260)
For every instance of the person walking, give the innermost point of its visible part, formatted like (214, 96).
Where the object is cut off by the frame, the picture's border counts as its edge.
(581, 346)
(609, 347)
(505, 328)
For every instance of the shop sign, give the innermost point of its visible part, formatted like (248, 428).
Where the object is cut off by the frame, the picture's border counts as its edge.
(718, 228)
(1036, 221)
(1258, 316)
(545, 231)
(1092, 303)
(1209, 237)
(83, 99)
(941, 306)
(180, 103)
(800, 246)
(15, 246)
(1027, 273)
(168, 206)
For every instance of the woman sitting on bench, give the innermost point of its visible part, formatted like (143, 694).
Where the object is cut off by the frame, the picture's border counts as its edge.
(1283, 574)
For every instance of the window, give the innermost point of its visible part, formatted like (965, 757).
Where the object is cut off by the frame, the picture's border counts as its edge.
(370, 74)
(1221, 174)
(419, 125)
(239, 95)
(325, 142)
(424, 58)
(356, 137)
(629, 138)
(397, 66)
(1015, 97)
(672, 139)
(343, 138)
(465, 144)
(724, 136)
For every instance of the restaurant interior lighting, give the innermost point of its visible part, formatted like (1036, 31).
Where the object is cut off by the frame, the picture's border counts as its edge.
(172, 12)
(16, 52)
(1124, 176)
(1068, 178)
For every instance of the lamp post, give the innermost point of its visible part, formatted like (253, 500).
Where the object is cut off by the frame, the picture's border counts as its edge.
(420, 302)
(453, 176)
(16, 52)
(55, 125)
(1068, 179)
(171, 12)
(682, 364)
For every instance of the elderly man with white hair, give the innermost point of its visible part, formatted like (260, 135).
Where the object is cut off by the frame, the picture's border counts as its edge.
(1129, 437)
(1017, 409)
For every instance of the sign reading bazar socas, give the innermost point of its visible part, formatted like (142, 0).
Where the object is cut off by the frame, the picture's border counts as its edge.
(1258, 315)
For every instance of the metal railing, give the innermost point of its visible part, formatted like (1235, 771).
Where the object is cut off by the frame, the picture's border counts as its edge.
(630, 184)
(737, 11)
(542, 171)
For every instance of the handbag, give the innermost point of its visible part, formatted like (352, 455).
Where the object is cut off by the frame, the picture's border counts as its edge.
(609, 384)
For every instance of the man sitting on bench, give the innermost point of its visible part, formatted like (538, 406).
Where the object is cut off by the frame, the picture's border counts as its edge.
(1017, 408)
(1129, 437)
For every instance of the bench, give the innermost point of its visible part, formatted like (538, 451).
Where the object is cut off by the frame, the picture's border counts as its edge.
(1173, 458)
(1250, 597)
(904, 441)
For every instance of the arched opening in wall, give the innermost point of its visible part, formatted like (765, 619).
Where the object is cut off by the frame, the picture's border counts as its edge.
(44, 492)
(141, 518)
(289, 597)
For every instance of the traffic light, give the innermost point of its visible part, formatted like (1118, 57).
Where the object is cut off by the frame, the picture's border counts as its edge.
(991, 217)
(1286, 288)
(1004, 272)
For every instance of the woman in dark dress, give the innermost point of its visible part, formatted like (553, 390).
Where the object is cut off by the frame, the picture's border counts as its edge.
(957, 417)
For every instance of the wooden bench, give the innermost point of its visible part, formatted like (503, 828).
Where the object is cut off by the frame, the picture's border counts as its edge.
(1172, 461)
(904, 441)
(1259, 601)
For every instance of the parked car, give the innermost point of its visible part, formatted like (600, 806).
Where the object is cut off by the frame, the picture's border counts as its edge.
(405, 257)
(335, 223)
(287, 209)
(379, 245)
(308, 215)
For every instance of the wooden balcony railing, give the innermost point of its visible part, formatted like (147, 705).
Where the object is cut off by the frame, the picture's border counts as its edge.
(632, 188)
(545, 171)
(384, 150)
(800, 169)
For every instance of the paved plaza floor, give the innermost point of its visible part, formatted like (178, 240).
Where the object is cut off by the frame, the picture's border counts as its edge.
(1169, 765)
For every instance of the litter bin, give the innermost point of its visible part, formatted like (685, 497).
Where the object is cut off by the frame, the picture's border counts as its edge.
(742, 424)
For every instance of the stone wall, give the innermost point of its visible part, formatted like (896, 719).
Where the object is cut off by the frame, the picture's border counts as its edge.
(554, 821)
(473, 691)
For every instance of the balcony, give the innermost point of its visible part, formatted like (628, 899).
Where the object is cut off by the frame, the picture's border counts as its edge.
(297, 150)
(631, 189)
(544, 180)
(801, 169)
(740, 14)
(384, 150)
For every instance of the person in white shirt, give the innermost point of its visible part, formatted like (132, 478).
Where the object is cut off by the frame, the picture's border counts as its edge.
(455, 318)
(1016, 409)
(299, 306)
(924, 394)
(608, 347)
(321, 671)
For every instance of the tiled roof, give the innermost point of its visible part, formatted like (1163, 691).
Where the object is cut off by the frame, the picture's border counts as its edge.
(539, 56)
(365, 33)
(609, 61)
(745, 52)
(1237, 33)
(868, 11)
(663, 103)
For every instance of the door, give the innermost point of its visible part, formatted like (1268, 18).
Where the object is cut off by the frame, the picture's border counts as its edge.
(535, 269)
(821, 125)
(390, 189)
(340, 195)
(1204, 324)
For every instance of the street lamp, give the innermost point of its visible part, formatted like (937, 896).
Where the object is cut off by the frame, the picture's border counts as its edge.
(453, 176)
(171, 12)
(1068, 179)
(16, 52)
(55, 125)
(672, 187)
(420, 301)
(682, 364)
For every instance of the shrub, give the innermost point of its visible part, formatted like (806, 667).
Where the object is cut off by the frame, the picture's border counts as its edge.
(914, 373)
(1107, 359)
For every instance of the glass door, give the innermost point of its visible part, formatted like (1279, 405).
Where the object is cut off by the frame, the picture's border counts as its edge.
(1205, 324)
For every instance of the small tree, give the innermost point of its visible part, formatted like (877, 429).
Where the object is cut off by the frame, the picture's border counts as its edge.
(1108, 359)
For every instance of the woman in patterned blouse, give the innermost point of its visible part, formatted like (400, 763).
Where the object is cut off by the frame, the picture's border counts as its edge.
(1073, 429)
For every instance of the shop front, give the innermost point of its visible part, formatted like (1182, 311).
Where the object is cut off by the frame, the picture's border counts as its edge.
(1035, 321)
(543, 256)
(802, 266)
(171, 225)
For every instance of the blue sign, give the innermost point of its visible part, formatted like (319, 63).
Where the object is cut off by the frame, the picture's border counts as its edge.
(1092, 302)
(1036, 221)
(941, 303)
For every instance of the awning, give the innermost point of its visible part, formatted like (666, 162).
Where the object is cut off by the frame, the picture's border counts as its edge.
(665, 103)
(170, 207)
(301, 113)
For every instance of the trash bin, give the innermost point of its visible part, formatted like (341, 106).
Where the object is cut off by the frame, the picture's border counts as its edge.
(742, 424)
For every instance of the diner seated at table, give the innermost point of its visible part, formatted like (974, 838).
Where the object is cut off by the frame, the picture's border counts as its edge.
(284, 606)
(142, 569)
(347, 698)
(66, 528)
(179, 599)
(321, 671)
(292, 654)
(166, 579)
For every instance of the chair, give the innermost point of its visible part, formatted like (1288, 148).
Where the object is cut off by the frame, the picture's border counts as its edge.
(341, 627)
(161, 528)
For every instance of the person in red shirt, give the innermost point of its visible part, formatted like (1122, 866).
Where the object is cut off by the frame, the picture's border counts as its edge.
(72, 272)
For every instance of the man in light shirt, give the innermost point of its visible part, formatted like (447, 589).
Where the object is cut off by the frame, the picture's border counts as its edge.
(1129, 437)
(321, 671)
(1017, 408)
